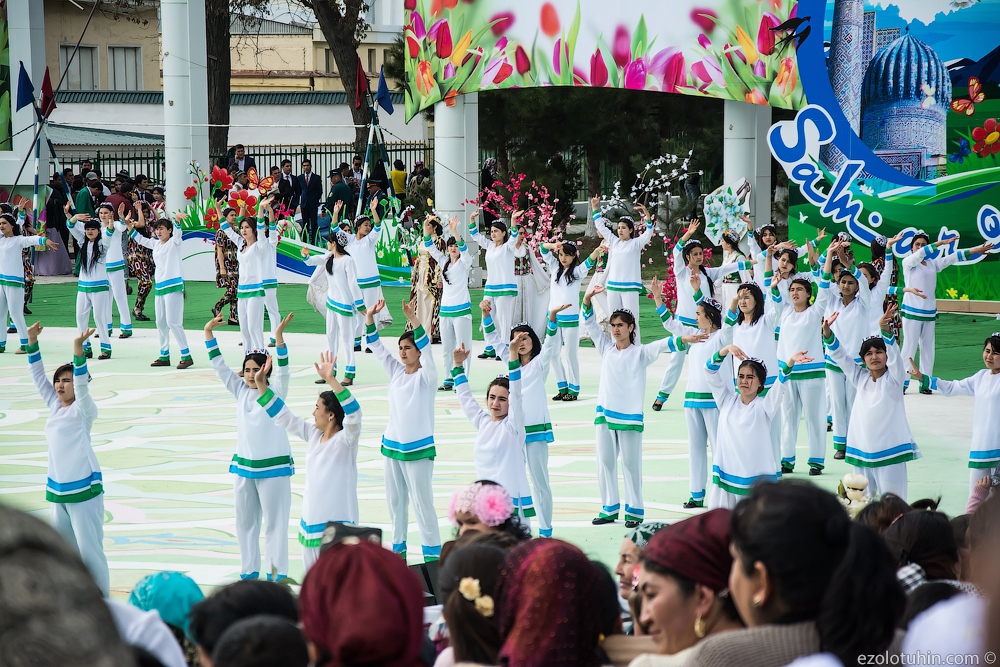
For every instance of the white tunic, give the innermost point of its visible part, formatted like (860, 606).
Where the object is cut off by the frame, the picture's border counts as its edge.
(74, 474)
(743, 454)
(11, 263)
(682, 277)
(363, 253)
(269, 262)
(455, 299)
(500, 278)
(113, 242)
(251, 259)
(804, 331)
(566, 289)
(921, 272)
(879, 434)
(262, 448)
(624, 257)
(985, 386)
(93, 278)
(332, 481)
(343, 296)
(757, 339)
(167, 258)
(853, 323)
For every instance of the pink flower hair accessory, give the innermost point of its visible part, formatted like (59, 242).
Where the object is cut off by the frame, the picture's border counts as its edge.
(490, 503)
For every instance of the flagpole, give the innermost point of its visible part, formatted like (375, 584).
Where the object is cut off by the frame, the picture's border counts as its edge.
(38, 155)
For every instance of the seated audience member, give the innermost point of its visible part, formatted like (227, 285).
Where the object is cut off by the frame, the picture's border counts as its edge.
(361, 605)
(171, 595)
(923, 547)
(924, 597)
(546, 613)
(629, 554)
(486, 507)
(211, 617)
(683, 581)
(145, 630)
(879, 514)
(261, 641)
(467, 585)
(805, 579)
(51, 611)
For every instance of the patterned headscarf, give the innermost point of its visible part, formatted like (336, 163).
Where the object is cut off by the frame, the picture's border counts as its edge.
(640, 534)
(696, 548)
(548, 616)
(171, 594)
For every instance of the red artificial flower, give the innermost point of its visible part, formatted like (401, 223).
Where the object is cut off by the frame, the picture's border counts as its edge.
(241, 197)
(598, 70)
(503, 22)
(987, 138)
(190, 192)
(521, 58)
(550, 20)
(221, 179)
(211, 219)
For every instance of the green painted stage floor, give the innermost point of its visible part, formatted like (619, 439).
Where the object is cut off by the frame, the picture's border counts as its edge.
(164, 438)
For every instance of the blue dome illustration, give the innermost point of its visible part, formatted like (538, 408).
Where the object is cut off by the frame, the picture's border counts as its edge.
(904, 104)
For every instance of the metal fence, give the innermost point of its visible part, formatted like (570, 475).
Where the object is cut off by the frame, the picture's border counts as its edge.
(149, 162)
(325, 157)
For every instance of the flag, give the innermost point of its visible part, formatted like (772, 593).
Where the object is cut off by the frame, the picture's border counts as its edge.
(382, 96)
(48, 98)
(25, 91)
(361, 88)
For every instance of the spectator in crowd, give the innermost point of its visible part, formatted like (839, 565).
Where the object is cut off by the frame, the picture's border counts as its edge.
(880, 514)
(467, 588)
(309, 192)
(55, 262)
(417, 167)
(357, 168)
(261, 641)
(211, 617)
(51, 611)
(345, 602)
(286, 186)
(141, 183)
(340, 191)
(171, 595)
(159, 199)
(960, 529)
(375, 199)
(323, 223)
(105, 190)
(240, 158)
(92, 195)
(123, 196)
(86, 166)
(398, 176)
(629, 553)
(924, 549)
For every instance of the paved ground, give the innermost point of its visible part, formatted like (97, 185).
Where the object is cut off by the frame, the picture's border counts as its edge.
(164, 439)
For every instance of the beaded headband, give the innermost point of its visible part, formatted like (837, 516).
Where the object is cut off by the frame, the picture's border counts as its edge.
(766, 225)
(760, 362)
(868, 338)
(106, 205)
(342, 238)
(713, 303)
(623, 311)
(263, 352)
(995, 334)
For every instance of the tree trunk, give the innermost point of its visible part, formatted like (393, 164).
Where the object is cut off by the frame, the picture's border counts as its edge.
(343, 33)
(217, 40)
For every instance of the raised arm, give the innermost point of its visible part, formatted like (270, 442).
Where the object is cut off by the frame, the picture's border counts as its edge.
(233, 383)
(42, 384)
(515, 401)
(721, 389)
(597, 336)
(432, 249)
(281, 380)
(374, 342)
(428, 370)
(231, 233)
(352, 410)
(844, 360)
(352, 283)
(515, 239)
(470, 406)
(177, 237)
(81, 379)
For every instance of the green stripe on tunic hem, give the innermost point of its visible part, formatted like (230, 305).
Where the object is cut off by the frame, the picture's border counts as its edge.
(78, 497)
(428, 453)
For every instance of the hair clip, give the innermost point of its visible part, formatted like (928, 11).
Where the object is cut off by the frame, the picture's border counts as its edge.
(755, 360)
(503, 376)
(342, 238)
(764, 226)
(520, 324)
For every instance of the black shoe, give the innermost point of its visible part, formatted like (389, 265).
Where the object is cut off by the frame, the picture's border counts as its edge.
(498, 358)
(693, 504)
(486, 356)
(11, 329)
(97, 335)
(357, 348)
(631, 523)
(26, 311)
(601, 520)
(787, 469)
(368, 350)
(829, 427)
(271, 344)
(320, 381)
(446, 387)
(657, 406)
(570, 397)
(104, 356)
(839, 454)
(128, 289)
(815, 471)
(140, 317)
(558, 397)
(125, 334)
(88, 353)
(926, 392)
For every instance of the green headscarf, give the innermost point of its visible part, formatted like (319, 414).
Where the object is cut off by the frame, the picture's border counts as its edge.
(640, 534)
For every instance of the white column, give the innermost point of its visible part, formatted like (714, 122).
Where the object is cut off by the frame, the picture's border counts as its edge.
(471, 152)
(746, 154)
(176, 100)
(26, 38)
(198, 77)
(449, 158)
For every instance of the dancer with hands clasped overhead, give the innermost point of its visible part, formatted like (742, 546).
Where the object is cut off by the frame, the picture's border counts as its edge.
(361, 245)
(501, 284)
(456, 305)
(331, 492)
(93, 289)
(498, 452)
(743, 454)
(879, 442)
(251, 255)
(408, 441)
(113, 229)
(12, 242)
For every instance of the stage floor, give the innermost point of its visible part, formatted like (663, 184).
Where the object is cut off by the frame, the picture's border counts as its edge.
(164, 439)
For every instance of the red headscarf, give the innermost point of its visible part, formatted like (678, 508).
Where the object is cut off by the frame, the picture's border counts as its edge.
(360, 604)
(696, 548)
(549, 612)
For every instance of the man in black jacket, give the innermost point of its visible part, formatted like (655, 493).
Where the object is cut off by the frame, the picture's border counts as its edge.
(309, 191)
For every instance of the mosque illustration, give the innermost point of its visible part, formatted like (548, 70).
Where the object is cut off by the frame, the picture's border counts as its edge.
(894, 90)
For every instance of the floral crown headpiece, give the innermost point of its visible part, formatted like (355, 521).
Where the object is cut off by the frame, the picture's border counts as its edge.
(471, 591)
(766, 225)
(623, 311)
(490, 503)
(995, 334)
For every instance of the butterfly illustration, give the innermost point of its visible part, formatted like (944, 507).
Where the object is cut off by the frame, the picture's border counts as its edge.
(976, 96)
(928, 92)
(962, 152)
(253, 183)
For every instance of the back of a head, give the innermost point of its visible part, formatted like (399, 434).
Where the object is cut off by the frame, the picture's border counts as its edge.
(924, 597)
(880, 514)
(925, 539)
(823, 566)
(211, 617)
(51, 611)
(468, 606)
(261, 641)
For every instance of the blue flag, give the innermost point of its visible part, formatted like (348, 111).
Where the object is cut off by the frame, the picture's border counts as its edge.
(382, 96)
(25, 91)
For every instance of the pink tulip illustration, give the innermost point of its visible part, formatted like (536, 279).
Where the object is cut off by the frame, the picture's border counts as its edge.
(417, 24)
(598, 70)
(621, 48)
(521, 60)
(504, 21)
(759, 69)
(765, 35)
(443, 43)
(703, 19)
(505, 71)
(635, 75)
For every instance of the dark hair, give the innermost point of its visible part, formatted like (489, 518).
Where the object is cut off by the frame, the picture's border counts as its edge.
(285, 161)
(627, 219)
(713, 314)
(758, 302)
(356, 157)
(408, 335)
(920, 235)
(924, 597)
(499, 224)
(227, 210)
(139, 178)
(12, 221)
(536, 345)
(261, 359)
(164, 222)
(610, 608)
(239, 146)
(804, 283)
(502, 381)
(65, 368)
(926, 504)
(872, 271)
(869, 344)
(878, 248)
(452, 241)
(306, 161)
(731, 239)
(126, 187)
(880, 514)
(960, 530)
(253, 226)
(211, 617)
(792, 254)
(96, 254)
(474, 637)
(758, 369)
(628, 319)
(758, 234)
(824, 567)
(261, 641)
(687, 587)
(332, 405)
(425, 172)
(994, 343)
(926, 539)
(686, 255)
(341, 250)
(398, 164)
(569, 271)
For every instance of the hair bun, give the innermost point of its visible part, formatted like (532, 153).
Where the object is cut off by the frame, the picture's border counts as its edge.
(838, 527)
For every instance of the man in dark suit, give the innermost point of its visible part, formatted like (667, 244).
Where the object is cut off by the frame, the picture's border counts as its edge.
(286, 186)
(240, 158)
(340, 191)
(309, 190)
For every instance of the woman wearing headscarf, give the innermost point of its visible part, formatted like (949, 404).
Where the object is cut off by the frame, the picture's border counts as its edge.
(171, 595)
(684, 582)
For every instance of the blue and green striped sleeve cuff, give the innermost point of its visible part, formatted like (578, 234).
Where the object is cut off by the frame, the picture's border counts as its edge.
(596, 215)
(371, 333)
(964, 255)
(857, 274)
(271, 403)
(359, 305)
(888, 338)
(784, 370)
(461, 244)
(282, 353)
(261, 224)
(831, 343)
(420, 338)
(824, 280)
(893, 290)
(514, 370)
(743, 265)
(588, 263)
(458, 375)
(730, 318)
(347, 401)
(675, 344)
(545, 251)
(513, 231)
(79, 365)
(34, 354)
(664, 314)
(109, 231)
(213, 348)
(588, 311)
(930, 249)
(768, 276)
(775, 294)
(135, 234)
(699, 296)
(551, 328)
(427, 241)
(928, 382)
(488, 326)
(714, 363)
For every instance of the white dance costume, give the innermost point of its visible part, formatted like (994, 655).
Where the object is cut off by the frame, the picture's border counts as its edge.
(169, 290)
(93, 290)
(116, 275)
(12, 284)
(343, 300)
(269, 276)
(563, 290)
(455, 317)
(250, 290)
(366, 269)
(501, 283)
(624, 283)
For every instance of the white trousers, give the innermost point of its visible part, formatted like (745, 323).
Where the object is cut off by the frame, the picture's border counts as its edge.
(841, 401)
(917, 334)
(537, 454)
(886, 479)
(702, 424)
(340, 331)
(169, 314)
(82, 526)
(120, 295)
(568, 378)
(12, 302)
(370, 295)
(455, 332)
(252, 323)
(719, 498)
(411, 480)
(309, 557)
(100, 304)
(627, 301)
(675, 364)
(610, 445)
(806, 399)
(271, 305)
(502, 314)
(268, 499)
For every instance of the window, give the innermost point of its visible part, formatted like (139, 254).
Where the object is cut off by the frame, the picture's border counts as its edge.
(124, 68)
(331, 64)
(83, 73)
(371, 60)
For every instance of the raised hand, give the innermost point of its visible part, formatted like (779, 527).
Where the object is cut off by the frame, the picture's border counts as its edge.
(260, 377)
(371, 312)
(410, 312)
(558, 309)
(885, 322)
(654, 286)
(515, 217)
(694, 225)
(643, 211)
(981, 249)
(121, 214)
(34, 331)
(695, 281)
(914, 290)
(453, 226)
(948, 240)
(828, 323)
(327, 362)
(81, 337)
(821, 235)
(914, 372)
(694, 338)
(459, 355)
(800, 357)
(280, 329)
(485, 308)
(595, 203)
(214, 323)
(474, 216)
(304, 252)
(735, 351)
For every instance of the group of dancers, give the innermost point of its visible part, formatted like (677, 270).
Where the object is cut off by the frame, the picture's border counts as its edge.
(801, 345)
